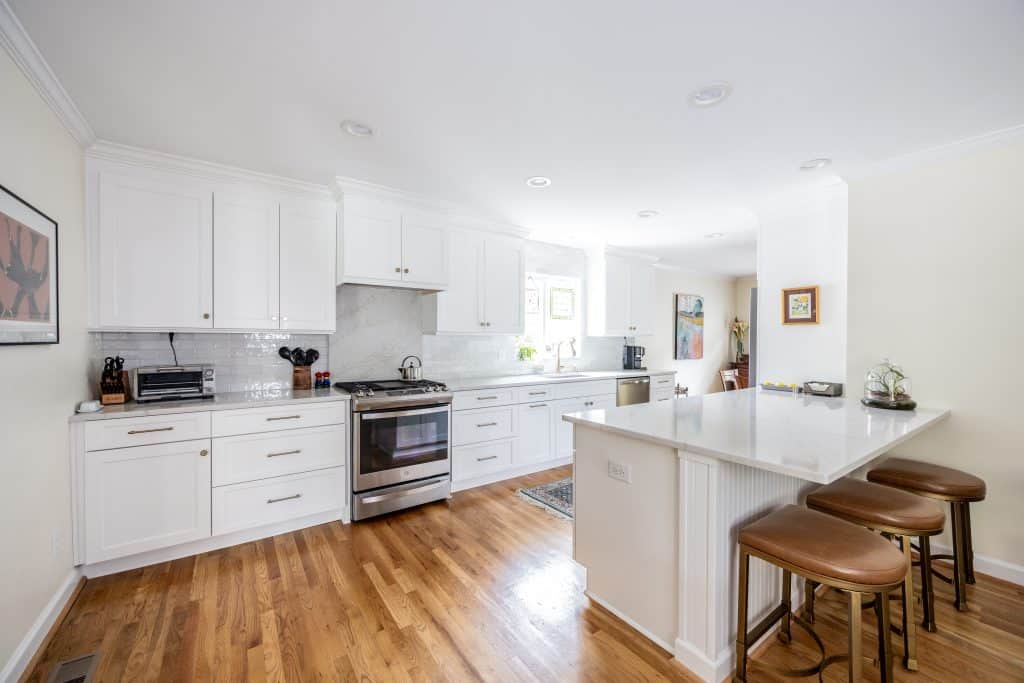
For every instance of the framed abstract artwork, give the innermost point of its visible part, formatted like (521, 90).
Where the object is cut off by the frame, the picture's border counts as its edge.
(28, 273)
(689, 326)
(800, 306)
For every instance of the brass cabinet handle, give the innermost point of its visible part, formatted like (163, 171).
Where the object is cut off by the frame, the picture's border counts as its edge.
(489, 457)
(537, 393)
(147, 431)
(274, 455)
(539, 405)
(204, 453)
(487, 398)
(488, 424)
(406, 270)
(398, 270)
(286, 417)
(588, 403)
(206, 316)
(278, 500)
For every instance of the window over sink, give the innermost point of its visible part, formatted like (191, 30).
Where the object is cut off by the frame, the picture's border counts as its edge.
(553, 313)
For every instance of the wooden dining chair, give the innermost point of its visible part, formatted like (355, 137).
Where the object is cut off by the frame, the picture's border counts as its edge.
(730, 379)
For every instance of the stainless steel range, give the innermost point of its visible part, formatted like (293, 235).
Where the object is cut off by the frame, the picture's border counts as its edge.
(401, 445)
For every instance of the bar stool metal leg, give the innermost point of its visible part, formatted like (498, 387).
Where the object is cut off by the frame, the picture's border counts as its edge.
(884, 637)
(909, 625)
(855, 636)
(741, 619)
(927, 592)
(970, 543)
(787, 602)
(959, 557)
(809, 596)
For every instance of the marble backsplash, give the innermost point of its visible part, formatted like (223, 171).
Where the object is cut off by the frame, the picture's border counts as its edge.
(244, 362)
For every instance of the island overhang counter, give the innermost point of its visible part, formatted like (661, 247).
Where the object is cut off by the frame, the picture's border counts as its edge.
(662, 489)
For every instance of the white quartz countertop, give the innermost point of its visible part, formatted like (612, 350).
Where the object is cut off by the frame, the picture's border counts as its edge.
(226, 401)
(499, 381)
(813, 438)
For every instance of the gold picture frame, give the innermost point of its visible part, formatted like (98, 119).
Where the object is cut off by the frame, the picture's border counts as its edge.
(800, 306)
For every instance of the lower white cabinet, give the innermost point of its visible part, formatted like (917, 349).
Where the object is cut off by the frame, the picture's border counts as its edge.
(534, 433)
(146, 497)
(481, 459)
(238, 459)
(562, 430)
(266, 501)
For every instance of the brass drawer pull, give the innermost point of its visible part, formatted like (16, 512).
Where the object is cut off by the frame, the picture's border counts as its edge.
(286, 417)
(489, 457)
(539, 405)
(487, 398)
(537, 393)
(488, 424)
(147, 431)
(274, 455)
(278, 500)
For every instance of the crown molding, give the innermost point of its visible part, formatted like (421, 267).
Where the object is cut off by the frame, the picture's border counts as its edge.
(207, 170)
(354, 186)
(26, 55)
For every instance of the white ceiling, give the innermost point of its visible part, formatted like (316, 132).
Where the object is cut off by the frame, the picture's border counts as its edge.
(469, 98)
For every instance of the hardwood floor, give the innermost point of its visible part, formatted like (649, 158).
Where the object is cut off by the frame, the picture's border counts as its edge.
(480, 587)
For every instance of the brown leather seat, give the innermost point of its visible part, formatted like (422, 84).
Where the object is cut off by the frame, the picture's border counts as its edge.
(879, 507)
(826, 546)
(927, 479)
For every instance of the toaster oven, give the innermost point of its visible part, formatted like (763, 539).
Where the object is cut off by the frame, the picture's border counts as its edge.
(157, 382)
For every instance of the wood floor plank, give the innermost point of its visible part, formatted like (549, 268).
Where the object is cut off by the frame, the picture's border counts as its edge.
(480, 587)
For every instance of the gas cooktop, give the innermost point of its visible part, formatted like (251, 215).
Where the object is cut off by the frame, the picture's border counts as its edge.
(386, 393)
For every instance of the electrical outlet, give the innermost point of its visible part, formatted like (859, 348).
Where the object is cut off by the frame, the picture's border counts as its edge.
(616, 470)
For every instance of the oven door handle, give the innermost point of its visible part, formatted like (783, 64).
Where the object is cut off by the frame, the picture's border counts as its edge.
(402, 413)
(403, 493)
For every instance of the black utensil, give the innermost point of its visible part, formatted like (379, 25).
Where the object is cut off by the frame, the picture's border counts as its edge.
(286, 354)
(297, 357)
(312, 355)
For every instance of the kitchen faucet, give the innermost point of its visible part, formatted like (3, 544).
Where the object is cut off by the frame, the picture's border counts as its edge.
(558, 352)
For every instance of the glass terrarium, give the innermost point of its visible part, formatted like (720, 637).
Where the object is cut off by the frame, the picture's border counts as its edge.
(887, 386)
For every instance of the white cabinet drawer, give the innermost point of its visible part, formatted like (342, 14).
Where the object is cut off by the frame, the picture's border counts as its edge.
(142, 431)
(534, 394)
(256, 503)
(576, 389)
(662, 394)
(483, 398)
(258, 456)
(474, 426)
(474, 461)
(255, 420)
(660, 381)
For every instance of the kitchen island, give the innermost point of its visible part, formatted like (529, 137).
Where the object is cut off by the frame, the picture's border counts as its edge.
(662, 489)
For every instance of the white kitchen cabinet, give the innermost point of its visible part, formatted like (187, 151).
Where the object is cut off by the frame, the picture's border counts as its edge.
(146, 497)
(150, 251)
(424, 250)
(486, 288)
(562, 430)
(534, 433)
(245, 274)
(308, 234)
(620, 296)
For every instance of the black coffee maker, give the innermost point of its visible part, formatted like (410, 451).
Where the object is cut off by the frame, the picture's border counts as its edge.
(633, 357)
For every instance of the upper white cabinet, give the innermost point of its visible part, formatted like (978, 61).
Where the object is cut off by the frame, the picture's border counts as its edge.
(385, 243)
(486, 289)
(174, 250)
(308, 234)
(620, 296)
(150, 251)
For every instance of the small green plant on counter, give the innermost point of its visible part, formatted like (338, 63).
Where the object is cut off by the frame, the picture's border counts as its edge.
(525, 350)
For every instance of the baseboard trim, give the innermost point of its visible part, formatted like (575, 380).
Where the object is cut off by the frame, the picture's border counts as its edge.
(39, 635)
(990, 566)
(512, 473)
(637, 627)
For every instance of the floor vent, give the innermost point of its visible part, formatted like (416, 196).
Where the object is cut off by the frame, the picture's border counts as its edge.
(78, 670)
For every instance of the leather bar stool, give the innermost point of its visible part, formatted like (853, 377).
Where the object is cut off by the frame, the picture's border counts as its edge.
(896, 514)
(959, 489)
(829, 551)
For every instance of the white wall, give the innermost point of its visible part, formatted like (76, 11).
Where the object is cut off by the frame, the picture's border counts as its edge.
(935, 284)
(741, 296)
(803, 242)
(701, 376)
(40, 162)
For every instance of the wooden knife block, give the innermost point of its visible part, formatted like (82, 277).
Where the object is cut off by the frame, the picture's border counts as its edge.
(114, 398)
(301, 378)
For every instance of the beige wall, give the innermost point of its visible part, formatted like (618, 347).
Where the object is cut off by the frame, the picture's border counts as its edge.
(701, 376)
(40, 162)
(935, 255)
(741, 296)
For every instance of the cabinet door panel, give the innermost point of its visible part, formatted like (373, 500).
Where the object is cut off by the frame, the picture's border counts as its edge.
(424, 250)
(617, 297)
(534, 433)
(152, 253)
(308, 233)
(146, 497)
(245, 268)
(503, 286)
(460, 307)
(371, 241)
(641, 298)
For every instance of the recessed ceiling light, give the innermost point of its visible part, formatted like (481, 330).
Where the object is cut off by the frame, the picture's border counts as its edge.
(714, 235)
(814, 164)
(538, 181)
(710, 94)
(647, 213)
(356, 129)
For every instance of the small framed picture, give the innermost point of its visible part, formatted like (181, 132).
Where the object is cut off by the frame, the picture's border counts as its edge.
(28, 273)
(800, 306)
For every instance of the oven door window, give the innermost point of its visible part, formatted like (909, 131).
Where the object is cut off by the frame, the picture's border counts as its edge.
(400, 439)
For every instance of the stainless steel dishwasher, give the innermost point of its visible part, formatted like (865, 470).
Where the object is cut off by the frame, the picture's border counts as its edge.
(632, 390)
